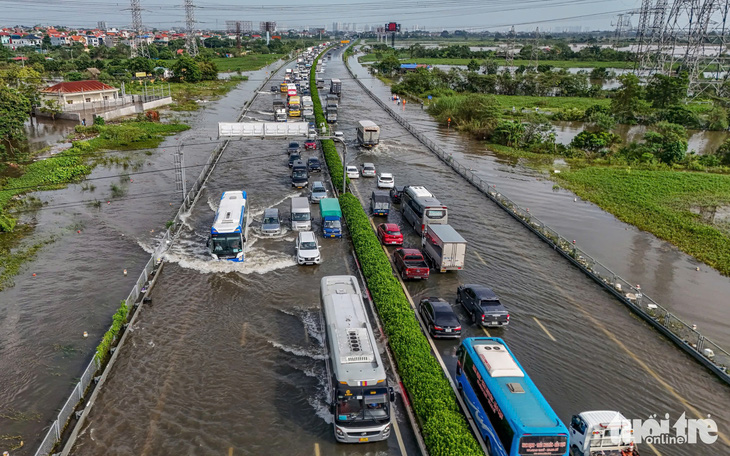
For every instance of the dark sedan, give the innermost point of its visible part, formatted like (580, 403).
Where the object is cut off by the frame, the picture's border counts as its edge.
(440, 318)
(314, 165)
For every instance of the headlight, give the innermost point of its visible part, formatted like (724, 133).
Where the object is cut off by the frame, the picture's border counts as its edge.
(339, 432)
(386, 429)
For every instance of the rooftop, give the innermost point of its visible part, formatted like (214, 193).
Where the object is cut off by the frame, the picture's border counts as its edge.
(78, 86)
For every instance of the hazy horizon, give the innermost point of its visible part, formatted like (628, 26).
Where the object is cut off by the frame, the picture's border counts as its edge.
(472, 15)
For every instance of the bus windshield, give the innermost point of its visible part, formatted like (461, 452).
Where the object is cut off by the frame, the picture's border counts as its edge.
(226, 244)
(363, 408)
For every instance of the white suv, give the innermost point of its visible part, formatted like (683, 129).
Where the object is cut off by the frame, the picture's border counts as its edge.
(307, 248)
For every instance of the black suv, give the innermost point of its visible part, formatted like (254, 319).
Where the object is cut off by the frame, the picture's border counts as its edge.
(294, 157)
(314, 165)
(483, 305)
(395, 193)
(293, 147)
(439, 317)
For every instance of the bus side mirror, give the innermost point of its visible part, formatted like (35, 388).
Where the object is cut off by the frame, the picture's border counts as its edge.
(244, 238)
(207, 243)
(332, 408)
(391, 392)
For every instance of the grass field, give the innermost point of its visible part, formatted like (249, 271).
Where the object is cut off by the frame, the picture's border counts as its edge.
(661, 202)
(186, 94)
(246, 63)
(549, 103)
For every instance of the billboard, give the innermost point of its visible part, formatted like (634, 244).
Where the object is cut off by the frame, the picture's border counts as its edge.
(392, 27)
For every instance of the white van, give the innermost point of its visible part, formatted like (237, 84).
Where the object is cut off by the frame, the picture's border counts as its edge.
(301, 216)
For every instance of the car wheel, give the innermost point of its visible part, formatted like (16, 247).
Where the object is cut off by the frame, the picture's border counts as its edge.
(431, 331)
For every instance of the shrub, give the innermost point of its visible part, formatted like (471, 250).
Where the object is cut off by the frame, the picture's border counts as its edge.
(118, 320)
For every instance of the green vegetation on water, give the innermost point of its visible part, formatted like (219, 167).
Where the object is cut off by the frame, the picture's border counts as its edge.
(186, 94)
(517, 62)
(675, 206)
(521, 102)
(249, 62)
(443, 425)
(13, 257)
(118, 320)
(72, 164)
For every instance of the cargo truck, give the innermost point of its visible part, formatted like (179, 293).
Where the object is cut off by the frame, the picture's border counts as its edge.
(336, 87)
(444, 248)
(329, 209)
(331, 114)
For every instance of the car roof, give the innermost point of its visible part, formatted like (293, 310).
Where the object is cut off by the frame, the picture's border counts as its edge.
(482, 292)
(307, 236)
(312, 158)
(270, 212)
(317, 184)
(352, 167)
(391, 226)
(386, 175)
(368, 164)
(441, 306)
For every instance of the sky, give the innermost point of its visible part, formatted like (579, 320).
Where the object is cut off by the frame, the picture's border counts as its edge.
(472, 15)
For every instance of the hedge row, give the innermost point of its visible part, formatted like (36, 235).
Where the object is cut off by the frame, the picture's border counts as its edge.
(443, 425)
(119, 319)
(328, 146)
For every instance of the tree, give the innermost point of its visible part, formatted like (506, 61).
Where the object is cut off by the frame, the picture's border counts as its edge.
(140, 65)
(717, 119)
(186, 69)
(664, 91)
(509, 132)
(628, 103)
(668, 143)
(595, 141)
(14, 111)
(208, 70)
(473, 66)
(489, 66)
(723, 153)
(389, 65)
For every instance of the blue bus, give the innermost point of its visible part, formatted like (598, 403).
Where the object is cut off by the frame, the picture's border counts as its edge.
(510, 412)
(228, 233)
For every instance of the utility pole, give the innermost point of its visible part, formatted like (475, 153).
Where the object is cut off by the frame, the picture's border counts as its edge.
(238, 36)
(191, 44)
(509, 55)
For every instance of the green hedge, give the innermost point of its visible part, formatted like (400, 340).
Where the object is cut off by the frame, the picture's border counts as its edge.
(117, 322)
(444, 427)
(331, 157)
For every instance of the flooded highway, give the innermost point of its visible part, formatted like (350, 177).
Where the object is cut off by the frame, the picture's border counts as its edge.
(79, 278)
(583, 349)
(229, 358)
(664, 273)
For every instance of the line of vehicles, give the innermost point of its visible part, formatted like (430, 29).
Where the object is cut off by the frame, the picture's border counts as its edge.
(510, 413)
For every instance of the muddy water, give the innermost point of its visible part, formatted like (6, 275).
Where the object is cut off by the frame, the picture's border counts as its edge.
(229, 358)
(665, 273)
(79, 276)
(592, 353)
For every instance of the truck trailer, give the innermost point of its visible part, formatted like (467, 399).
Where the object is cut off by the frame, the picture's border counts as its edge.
(444, 247)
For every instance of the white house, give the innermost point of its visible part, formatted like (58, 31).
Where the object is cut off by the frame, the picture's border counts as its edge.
(77, 92)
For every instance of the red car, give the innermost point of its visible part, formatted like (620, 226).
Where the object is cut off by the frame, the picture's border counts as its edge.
(310, 144)
(389, 234)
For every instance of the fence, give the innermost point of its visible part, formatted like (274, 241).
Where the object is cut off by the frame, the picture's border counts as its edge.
(704, 350)
(53, 436)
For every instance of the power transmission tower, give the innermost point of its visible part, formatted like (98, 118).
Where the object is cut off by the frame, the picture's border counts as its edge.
(139, 49)
(535, 54)
(191, 44)
(509, 55)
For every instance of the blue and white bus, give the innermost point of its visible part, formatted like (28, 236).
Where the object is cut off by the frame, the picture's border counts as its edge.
(510, 412)
(228, 233)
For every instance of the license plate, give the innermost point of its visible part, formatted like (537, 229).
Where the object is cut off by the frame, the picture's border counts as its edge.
(363, 439)
(495, 322)
(332, 235)
(448, 330)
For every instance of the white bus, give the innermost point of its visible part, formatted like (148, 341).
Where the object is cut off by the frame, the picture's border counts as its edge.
(228, 233)
(360, 398)
(368, 133)
(421, 208)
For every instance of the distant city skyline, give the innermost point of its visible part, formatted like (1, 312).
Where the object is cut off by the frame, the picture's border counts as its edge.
(472, 15)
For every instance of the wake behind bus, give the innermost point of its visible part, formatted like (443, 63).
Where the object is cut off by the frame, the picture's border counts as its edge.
(359, 392)
(512, 416)
(421, 208)
(228, 233)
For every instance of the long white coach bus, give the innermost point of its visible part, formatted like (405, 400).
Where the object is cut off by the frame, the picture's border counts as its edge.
(360, 398)
(421, 208)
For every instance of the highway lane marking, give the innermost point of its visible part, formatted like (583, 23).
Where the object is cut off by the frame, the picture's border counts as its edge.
(398, 437)
(480, 258)
(544, 329)
(230, 451)
(485, 331)
(623, 347)
(244, 329)
(653, 448)
(316, 449)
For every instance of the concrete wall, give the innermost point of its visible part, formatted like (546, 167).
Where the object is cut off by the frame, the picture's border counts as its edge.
(111, 114)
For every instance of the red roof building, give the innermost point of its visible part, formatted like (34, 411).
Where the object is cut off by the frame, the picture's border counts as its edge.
(67, 93)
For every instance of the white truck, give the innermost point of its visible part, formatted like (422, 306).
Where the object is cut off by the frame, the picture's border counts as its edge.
(280, 115)
(601, 432)
(444, 248)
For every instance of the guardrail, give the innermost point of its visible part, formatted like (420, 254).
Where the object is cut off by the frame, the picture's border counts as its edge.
(701, 348)
(136, 296)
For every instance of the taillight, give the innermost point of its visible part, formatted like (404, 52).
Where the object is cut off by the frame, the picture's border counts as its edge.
(438, 328)
(423, 227)
(507, 317)
(483, 317)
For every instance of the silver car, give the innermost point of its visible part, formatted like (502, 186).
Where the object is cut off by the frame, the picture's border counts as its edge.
(271, 223)
(368, 170)
(317, 192)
